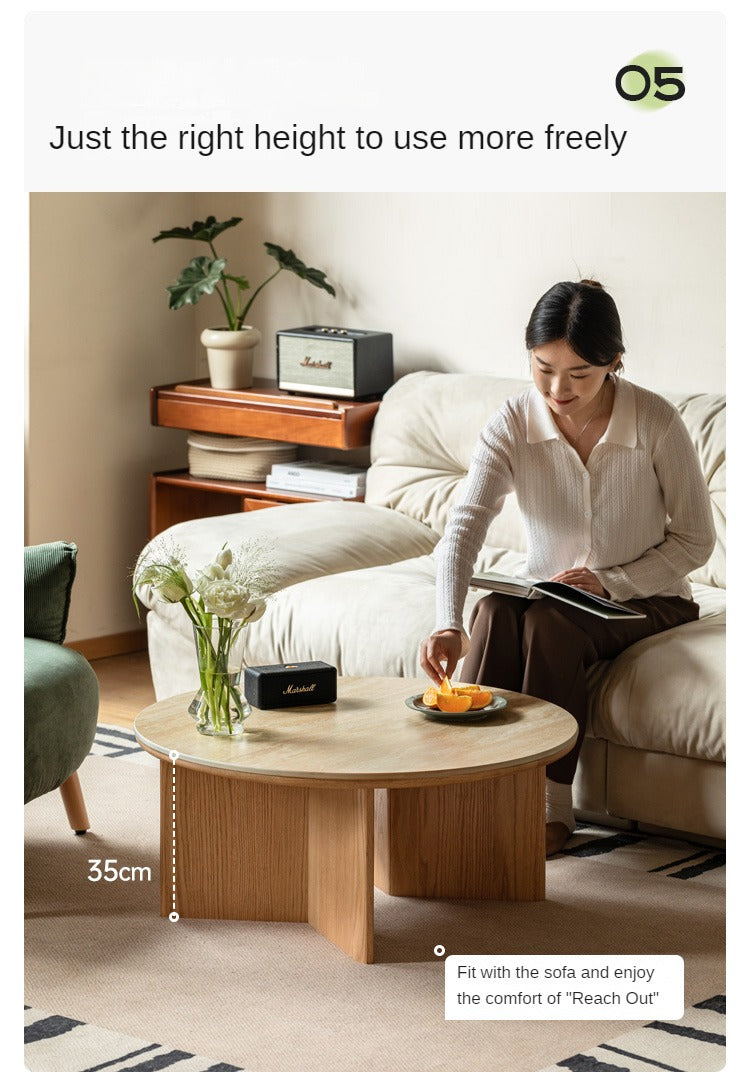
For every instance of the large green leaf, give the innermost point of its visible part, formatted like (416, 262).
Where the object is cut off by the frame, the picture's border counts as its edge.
(200, 277)
(288, 259)
(201, 230)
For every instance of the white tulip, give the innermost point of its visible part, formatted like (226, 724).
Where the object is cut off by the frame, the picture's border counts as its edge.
(224, 557)
(175, 586)
(258, 610)
(208, 575)
(227, 599)
(169, 580)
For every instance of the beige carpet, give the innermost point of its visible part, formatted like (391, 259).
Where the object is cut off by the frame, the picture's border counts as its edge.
(280, 997)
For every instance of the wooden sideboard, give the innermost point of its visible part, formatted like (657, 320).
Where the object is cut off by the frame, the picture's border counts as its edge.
(262, 411)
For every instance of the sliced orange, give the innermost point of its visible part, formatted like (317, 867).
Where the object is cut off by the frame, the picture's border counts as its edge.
(445, 686)
(453, 703)
(480, 699)
(465, 690)
(430, 697)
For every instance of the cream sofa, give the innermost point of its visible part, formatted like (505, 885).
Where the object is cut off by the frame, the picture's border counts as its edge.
(358, 592)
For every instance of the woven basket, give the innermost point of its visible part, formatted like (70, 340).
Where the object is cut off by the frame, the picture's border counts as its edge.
(234, 457)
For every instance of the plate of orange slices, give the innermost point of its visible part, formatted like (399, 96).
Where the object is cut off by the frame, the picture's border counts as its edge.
(456, 703)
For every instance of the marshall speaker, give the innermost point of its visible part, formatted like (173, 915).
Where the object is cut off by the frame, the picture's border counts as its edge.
(342, 362)
(290, 685)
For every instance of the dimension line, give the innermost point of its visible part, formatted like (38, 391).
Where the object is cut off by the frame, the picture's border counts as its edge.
(174, 914)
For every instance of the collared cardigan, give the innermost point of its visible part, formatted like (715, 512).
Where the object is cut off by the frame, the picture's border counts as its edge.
(637, 514)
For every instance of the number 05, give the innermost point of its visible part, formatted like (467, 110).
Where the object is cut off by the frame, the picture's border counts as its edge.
(662, 78)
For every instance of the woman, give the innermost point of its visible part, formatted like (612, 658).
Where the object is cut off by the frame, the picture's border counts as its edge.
(613, 501)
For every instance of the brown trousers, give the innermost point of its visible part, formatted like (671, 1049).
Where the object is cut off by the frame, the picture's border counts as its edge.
(543, 648)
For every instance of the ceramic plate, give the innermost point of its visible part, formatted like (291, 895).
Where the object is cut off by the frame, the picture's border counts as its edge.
(497, 703)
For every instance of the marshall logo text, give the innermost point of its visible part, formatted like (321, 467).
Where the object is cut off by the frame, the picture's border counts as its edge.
(309, 362)
(299, 688)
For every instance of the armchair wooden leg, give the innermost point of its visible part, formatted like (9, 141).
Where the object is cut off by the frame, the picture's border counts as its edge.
(75, 808)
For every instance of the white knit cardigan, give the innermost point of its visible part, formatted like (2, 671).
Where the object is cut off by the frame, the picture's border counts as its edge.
(638, 514)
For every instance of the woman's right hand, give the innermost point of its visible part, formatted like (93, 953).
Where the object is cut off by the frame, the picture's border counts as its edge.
(439, 654)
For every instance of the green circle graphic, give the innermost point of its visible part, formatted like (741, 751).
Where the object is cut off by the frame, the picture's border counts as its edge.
(632, 82)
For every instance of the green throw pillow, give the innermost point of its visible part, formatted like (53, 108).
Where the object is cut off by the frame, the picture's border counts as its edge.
(48, 573)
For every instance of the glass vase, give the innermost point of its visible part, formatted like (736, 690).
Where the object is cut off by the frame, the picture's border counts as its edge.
(219, 707)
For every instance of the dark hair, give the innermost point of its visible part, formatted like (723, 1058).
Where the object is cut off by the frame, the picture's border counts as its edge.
(583, 315)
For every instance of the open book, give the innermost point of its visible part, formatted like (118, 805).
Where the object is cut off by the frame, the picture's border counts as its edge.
(531, 589)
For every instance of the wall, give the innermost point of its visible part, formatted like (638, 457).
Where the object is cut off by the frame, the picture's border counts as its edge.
(100, 334)
(453, 277)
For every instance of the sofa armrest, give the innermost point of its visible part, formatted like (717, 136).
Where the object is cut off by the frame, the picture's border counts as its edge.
(49, 570)
(302, 541)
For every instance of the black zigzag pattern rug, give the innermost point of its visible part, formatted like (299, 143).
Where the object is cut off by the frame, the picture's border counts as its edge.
(696, 1043)
(61, 1044)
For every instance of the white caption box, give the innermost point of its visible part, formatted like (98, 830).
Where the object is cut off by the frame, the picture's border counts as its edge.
(564, 988)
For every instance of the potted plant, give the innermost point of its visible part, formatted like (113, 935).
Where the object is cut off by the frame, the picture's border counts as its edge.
(230, 346)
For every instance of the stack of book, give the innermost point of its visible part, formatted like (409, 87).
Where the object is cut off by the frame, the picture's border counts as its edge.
(314, 478)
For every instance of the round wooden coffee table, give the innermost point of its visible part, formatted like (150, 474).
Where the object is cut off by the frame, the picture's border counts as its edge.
(299, 817)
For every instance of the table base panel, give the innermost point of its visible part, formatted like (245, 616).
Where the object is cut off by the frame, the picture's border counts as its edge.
(340, 861)
(480, 840)
(241, 848)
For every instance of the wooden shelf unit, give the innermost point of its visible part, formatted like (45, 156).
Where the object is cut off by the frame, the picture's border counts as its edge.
(262, 411)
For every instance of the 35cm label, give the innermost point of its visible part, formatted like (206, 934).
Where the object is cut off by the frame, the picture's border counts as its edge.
(112, 873)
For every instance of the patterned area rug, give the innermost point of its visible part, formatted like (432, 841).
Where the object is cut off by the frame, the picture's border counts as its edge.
(117, 743)
(695, 1043)
(646, 852)
(60, 1044)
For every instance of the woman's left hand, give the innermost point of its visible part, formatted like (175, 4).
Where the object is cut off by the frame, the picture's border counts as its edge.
(582, 578)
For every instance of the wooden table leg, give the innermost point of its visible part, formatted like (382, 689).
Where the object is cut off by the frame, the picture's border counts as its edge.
(240, 847)
(340, 863)
(483, 839)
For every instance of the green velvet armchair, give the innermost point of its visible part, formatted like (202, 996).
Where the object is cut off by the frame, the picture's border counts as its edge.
(61, 691)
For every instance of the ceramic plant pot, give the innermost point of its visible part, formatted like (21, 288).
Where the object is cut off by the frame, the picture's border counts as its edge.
(230, 356)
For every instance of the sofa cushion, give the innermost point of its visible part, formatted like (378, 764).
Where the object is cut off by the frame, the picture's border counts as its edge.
(659, 790)
(424, 434)
(667, 693)
(705, 419)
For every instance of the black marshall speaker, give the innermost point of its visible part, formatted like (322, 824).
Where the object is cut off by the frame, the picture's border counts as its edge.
(290, 685)
(343, 362)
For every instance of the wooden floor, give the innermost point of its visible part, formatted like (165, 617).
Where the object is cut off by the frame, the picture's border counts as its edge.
(124, 688)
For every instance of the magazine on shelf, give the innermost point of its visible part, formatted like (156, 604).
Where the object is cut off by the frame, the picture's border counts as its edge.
(314, 487)
(336, 487)
(532, 589)
(317, 473)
